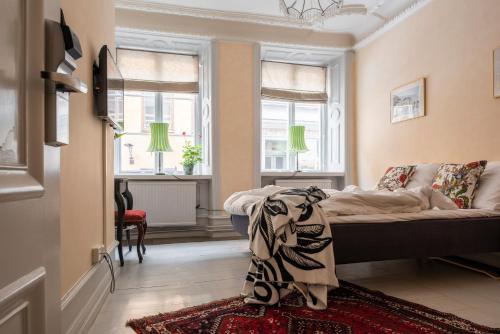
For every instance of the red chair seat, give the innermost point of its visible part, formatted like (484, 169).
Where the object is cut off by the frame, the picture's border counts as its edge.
(133, 216)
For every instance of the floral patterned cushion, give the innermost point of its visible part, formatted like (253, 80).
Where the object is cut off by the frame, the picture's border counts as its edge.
(459, 182)
(395, 178)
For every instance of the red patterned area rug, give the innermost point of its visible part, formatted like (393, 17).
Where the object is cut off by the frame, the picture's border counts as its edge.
(351, 309)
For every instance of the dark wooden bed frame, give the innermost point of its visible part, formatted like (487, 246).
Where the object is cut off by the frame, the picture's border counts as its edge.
(363, 242)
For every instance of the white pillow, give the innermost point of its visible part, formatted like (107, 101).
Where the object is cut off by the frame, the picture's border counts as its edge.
(488, 194)
(423, 176)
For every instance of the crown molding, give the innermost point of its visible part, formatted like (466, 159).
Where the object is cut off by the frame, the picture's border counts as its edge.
(396, 20)
(154, 40)
(164, 8)
(155, 7)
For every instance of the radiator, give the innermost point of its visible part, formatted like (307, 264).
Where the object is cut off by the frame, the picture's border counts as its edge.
(304, 183)
(166, 202)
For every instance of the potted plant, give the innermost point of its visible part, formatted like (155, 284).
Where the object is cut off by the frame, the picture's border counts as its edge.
(191, 155)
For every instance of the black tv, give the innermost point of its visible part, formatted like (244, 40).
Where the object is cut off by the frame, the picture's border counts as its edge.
(109, 90)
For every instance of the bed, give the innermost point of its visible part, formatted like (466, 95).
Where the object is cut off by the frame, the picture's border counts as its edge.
(420, 238)
(428, 233)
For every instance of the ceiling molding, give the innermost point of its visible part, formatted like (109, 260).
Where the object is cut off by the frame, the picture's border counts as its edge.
(212, 14)
(154, 40)
(282, 21)
(396, 20)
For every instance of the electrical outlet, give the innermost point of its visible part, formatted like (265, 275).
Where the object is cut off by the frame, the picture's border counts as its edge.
(97, 254)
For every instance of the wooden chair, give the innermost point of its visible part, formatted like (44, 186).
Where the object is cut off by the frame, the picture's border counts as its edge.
(126, 219)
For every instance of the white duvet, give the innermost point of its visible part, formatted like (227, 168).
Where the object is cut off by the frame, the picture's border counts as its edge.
(353, 201)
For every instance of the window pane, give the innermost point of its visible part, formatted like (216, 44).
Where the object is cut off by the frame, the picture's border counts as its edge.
(268, 163)
(280, 161)
(275, 124)
(134, 155)
(139, 112)
(179, 112)
(309, 115)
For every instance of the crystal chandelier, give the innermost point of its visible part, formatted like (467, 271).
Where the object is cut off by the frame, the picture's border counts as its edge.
(308, 11)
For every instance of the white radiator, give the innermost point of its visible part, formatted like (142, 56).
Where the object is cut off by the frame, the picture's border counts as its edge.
(304, 183)
(166, 202)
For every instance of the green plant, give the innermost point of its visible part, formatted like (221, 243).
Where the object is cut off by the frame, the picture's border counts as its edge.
(191, 154)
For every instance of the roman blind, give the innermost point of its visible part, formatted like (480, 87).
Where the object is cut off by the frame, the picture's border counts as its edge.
(293, 82)
(158, 71)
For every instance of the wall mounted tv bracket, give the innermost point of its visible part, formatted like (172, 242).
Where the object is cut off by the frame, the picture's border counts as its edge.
(62, 49)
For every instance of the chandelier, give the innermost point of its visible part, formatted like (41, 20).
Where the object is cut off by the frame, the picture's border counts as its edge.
(308, 11)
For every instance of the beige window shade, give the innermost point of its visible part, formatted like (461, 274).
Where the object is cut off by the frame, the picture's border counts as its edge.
(158, 71)
(294, 82)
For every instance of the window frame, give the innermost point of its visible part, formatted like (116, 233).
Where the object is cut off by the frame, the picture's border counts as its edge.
(159, 118)
(292, 158)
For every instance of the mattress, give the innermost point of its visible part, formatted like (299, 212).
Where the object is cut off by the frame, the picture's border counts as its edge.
(422, 215)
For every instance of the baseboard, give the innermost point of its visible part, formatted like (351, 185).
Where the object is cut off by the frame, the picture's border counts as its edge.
(81, 305)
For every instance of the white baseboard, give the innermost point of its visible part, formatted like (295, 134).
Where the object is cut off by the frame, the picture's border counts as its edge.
(81, 305)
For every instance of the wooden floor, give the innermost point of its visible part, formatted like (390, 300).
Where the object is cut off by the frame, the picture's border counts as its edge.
(175, 276)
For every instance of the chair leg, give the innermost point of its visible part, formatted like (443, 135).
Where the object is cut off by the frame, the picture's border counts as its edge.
(128, 241)
(119, 236)
(145, 227)
(140, 236)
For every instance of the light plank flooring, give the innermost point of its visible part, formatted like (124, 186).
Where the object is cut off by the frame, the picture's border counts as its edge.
(175, 276)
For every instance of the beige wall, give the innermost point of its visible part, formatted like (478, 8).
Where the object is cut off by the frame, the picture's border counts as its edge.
(82, 167)
(235, 103)
(450, 43)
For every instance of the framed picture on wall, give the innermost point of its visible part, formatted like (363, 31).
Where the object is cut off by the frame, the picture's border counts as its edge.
(496, 72)
(408, 101)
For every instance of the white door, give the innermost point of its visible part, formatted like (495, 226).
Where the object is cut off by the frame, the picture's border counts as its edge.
(29, 176)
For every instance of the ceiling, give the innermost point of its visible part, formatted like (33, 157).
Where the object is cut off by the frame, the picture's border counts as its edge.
(268, 12)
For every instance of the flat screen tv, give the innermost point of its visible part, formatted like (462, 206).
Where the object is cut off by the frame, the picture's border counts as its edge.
(109, 90)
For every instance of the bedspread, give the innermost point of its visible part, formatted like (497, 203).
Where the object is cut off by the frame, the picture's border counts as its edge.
(291, 246)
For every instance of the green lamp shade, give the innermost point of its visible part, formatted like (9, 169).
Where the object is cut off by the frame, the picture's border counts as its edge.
(297, 139)
(159, 138)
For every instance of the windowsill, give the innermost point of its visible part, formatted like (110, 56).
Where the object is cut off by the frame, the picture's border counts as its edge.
(299, 174)
(164, 177)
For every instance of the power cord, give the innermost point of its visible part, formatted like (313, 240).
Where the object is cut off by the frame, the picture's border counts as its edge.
(109, 261)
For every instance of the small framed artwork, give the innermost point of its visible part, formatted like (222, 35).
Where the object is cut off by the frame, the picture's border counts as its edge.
(496, 72)
(408, 101)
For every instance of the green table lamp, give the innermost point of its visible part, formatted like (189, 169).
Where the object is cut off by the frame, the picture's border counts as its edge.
(159, 143)
(298, 141)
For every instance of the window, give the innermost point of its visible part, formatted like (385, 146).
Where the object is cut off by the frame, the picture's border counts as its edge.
(293, 95)
(165, 89)
(143, 108)
(277, 117)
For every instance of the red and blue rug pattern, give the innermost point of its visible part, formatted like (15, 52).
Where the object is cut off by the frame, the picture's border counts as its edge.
(351, 309)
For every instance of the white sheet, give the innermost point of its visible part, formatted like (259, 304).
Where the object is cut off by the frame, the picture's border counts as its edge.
(351, 201)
